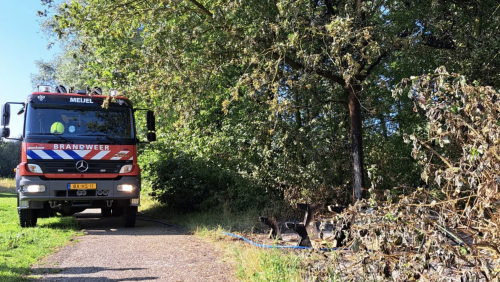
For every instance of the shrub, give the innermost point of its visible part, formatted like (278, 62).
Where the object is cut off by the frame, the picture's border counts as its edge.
(187, 183)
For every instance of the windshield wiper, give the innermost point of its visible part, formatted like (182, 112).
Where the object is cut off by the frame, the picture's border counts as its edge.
(56, 135)
(102, 135)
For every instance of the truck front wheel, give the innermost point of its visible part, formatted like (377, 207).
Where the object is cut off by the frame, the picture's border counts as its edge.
(129, 214)
(106, 212)
(27, 217)
(117, 211)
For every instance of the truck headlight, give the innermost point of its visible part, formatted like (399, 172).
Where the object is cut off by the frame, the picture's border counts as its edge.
(35, 168)
(125, 187)
(126, 168)
(34, 188)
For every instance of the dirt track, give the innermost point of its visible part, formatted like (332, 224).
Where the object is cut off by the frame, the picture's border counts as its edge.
(148, 252)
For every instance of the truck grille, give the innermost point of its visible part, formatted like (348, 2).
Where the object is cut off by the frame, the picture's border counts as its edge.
(69, 166)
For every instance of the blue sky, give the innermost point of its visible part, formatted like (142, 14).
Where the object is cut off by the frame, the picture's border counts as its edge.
(21, 43)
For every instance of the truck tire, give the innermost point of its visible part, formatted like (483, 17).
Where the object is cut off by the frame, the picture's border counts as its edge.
(117, 211)
(129, 214)
(106, 212)
(27, 217)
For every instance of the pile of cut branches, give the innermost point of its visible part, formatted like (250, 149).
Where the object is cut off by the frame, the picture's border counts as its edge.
(448, 230)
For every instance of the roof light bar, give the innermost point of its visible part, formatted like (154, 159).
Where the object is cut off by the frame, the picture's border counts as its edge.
(43, 88)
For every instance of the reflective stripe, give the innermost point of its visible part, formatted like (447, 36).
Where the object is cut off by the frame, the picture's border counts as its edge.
(42, 154)
(64, 154)
(32, 155)
(81, 153)
(52, 154)
(100, 155)
(74, 155)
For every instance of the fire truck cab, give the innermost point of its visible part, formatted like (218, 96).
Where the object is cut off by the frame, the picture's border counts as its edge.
(79, 151)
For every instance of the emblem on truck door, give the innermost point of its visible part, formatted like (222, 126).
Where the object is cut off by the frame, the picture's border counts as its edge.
(82, 166)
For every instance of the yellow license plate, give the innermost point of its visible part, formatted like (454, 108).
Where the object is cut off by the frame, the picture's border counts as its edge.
(78, 186)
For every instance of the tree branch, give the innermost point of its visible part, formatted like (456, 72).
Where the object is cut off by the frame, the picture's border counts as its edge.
(202, 8)
(329, 7)
(320, 104)
(446, 161)
(374, 64)
(438, 44)
(331, 77)
(296, 65)
(125, 4)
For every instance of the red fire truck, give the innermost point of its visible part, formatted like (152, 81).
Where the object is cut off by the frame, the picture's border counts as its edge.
(79, 151)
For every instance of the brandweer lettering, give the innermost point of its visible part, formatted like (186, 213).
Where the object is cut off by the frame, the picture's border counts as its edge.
(80, 147)
(81, 100)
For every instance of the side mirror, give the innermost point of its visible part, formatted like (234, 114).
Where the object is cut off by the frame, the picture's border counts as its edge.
(150, 119)
(5, 115)
(151, 137)
(5, 132)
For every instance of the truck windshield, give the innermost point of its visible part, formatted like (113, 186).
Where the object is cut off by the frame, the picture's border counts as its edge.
(113, 124)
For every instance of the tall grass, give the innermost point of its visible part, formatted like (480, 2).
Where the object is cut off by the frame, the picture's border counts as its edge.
(268, 264)
(7, 185)
(200, 222)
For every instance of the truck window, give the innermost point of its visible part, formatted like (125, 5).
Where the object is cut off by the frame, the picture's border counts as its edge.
(116, 123)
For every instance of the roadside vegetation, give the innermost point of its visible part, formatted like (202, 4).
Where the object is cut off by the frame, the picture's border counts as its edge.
(389, 108)
(252, 263)
(21, 247)
(7, 185)
(10, 151)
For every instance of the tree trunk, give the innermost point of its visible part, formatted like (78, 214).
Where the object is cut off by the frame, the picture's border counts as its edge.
(356, 128)
(356, 141)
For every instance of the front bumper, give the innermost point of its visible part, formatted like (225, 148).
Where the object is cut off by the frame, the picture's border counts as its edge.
(57, 190)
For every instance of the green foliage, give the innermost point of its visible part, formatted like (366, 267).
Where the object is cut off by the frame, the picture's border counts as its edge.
(10, 157)
(188, 183)
(258, 90)
(272, 266)
(68, 68)
(253, 94)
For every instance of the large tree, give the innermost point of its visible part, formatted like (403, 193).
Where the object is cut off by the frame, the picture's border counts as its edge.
(293, 63)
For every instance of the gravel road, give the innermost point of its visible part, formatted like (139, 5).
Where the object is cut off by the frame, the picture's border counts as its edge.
(148, 252)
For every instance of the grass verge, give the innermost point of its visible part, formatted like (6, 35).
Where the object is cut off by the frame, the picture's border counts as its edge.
(7, 185)
(21, 247)
(252, 263)
(267, 265)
